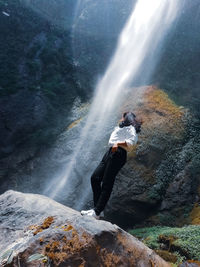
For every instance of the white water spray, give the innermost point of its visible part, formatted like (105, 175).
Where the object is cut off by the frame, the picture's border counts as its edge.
(144, 31)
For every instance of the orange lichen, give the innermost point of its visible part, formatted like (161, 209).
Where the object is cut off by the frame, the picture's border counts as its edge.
(67, 228)
(195, 214)
(46, 224)
(74, 123)
(152, 263)
(66, 248)
(159, 102)
(110, 259)
(159, 110)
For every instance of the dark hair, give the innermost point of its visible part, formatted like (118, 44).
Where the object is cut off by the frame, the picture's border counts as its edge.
(130, 119)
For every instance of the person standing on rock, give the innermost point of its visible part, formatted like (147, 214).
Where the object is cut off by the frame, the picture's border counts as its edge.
(122, 140)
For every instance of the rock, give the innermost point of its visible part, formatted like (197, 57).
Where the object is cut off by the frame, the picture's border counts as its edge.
(161, 177)
(190, 263)
(33, 224)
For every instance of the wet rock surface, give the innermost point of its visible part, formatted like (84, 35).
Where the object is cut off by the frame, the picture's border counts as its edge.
(32, 223)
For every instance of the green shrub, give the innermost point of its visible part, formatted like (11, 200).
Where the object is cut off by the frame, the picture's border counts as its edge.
(184, 242)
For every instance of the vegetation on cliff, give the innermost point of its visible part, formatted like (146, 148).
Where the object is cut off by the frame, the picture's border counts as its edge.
(173, 244)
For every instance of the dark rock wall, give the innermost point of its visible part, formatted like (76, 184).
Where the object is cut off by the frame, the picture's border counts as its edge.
(51, 52)
(178, 70)
(37, 85)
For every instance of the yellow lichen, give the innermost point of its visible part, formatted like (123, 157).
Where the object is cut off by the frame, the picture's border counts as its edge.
(74, 123)
(159, 101)
(61, 251)
(109, 259)
(195, 214)
(47, 222)
(160, 117)
(68, 228)
(161, 112)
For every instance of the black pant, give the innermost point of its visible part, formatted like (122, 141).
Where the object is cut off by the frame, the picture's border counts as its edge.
(103, 177)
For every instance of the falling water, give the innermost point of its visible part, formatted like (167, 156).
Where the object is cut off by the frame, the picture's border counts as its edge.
(142, 34)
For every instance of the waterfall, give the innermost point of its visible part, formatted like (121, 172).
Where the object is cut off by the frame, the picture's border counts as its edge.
(140, 38)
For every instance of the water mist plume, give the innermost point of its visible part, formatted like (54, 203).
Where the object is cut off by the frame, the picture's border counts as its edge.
(142, 34)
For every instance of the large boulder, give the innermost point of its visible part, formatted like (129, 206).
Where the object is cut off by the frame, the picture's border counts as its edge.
(35, 226)
(161, 177)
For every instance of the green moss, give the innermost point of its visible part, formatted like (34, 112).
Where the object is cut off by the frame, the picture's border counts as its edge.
(149, 235)
(184, 242)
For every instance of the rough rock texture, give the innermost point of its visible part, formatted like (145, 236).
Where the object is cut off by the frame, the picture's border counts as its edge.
(190, 264)
(33, 224)
(60, 49)
(36, 85)
(161, 177)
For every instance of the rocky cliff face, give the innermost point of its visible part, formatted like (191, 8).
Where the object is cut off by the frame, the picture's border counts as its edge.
(36, 230)
(161, 178)
(37, 87)
(44, 67)
(159, 183)
(177, 70)
(50, 54)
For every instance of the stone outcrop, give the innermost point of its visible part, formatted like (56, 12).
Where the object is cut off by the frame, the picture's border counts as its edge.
(33, 224)
(161, 177)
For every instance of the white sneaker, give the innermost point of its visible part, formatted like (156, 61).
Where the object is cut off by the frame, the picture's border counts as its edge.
(90, 213)
(85, 212)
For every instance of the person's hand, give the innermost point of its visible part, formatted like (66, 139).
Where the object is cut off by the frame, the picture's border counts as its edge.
(114, 147)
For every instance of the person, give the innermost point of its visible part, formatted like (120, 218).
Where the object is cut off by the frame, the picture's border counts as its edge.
(122, 140)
